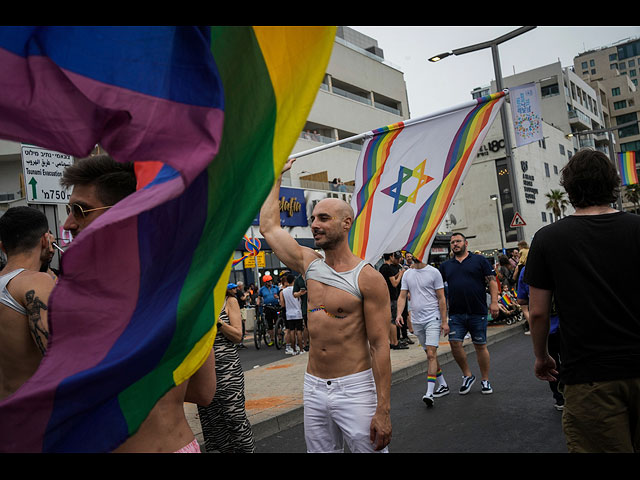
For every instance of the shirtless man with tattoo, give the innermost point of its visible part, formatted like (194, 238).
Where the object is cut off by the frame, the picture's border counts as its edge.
(24, 293)
(348, 303)
(98, 183)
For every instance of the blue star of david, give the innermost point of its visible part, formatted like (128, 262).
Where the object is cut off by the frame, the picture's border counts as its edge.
(404, 174)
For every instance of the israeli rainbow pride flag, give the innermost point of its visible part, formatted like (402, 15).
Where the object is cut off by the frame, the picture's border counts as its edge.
(408, 174)
(203, 112)
(627, 166)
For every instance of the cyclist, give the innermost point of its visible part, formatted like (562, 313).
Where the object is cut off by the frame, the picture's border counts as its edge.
(269, 299)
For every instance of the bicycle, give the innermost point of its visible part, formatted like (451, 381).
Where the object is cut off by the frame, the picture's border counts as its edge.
(260, 331)
(278, 332)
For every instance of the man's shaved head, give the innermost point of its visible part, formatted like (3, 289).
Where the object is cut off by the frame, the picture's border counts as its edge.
(331, 221)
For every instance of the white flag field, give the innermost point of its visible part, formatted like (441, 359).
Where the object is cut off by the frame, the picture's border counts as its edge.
(408, 174)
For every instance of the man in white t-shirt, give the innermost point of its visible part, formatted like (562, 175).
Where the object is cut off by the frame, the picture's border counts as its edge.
(428, 319)
(293, 321)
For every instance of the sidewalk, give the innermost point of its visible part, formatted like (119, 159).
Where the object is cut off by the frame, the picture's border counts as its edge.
(273, 392)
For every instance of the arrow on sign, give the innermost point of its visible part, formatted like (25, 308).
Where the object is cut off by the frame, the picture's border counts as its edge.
(33, 182)
(517, 221)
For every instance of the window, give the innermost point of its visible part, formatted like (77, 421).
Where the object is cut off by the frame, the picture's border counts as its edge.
(631, 63)
(544, 217)
(613, 56)
(592, 63)
(561, 149)
(584, 64)
(549, 90)
(620, 104)
(613, 66)
(615, 91)
(555, 169)
(546, 170)
(632, 73)
(622, 65)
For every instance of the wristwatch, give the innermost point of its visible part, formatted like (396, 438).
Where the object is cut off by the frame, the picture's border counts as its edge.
(219, 324)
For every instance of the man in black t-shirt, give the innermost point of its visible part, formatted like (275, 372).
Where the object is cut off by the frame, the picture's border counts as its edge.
(598, 305)
(392, 273)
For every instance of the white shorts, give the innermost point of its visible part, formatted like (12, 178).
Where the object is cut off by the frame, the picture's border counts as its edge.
(428, 333)
(338, 410)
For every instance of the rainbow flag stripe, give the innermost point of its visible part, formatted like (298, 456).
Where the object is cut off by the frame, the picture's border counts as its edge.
(197, 108)
(458, 161)
(627, 166)
(373, 166)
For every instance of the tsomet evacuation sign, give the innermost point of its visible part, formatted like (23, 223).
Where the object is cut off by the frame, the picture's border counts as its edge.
(42, 171)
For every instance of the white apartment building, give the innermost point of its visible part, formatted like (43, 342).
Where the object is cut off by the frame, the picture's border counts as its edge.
(568, 105)
(614, 71)
(361, 91)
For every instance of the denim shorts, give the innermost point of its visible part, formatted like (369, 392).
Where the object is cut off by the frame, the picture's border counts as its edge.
(461, 323)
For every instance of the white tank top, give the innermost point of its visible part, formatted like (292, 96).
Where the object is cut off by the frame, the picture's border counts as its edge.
(292, 304)
(5, 296)
(348, 281)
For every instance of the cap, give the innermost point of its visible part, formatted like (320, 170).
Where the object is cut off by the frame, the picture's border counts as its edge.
(231, 285)
(267, 278)
(397, 254)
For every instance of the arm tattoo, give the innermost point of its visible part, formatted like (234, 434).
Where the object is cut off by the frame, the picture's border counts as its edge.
(34, 306)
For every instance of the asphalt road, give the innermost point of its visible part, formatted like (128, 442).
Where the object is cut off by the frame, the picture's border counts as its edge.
(518, 417)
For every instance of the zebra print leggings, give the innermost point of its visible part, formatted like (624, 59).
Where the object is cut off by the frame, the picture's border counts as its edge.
(225, 426)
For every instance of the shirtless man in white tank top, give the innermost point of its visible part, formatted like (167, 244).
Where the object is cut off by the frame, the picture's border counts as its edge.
(348, 328)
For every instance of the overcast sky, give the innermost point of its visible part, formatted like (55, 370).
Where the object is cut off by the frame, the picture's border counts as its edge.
(436, 86)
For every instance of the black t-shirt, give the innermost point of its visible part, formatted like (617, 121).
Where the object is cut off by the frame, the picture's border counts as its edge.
(591, 262)
(390, 270)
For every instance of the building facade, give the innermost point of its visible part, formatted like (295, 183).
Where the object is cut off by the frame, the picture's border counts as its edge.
(361, 91)
(614, 71)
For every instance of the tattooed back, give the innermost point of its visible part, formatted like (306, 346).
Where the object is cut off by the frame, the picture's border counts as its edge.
(23, 337)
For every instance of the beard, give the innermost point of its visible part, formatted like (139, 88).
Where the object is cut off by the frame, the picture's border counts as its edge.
(329, 240)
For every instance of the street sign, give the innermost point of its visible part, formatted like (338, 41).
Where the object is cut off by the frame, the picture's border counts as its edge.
(42, 172)
(518, 221)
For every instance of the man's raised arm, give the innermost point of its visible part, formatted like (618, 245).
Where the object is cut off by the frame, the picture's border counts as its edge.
(290, 252)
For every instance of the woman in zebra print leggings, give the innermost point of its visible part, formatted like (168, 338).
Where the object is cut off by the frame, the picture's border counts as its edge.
(225, 426)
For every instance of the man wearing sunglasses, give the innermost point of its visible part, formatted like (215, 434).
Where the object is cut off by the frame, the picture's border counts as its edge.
(24, 293)
(99, 182)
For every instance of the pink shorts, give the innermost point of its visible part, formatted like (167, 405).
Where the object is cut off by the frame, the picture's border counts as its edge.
(193, 447)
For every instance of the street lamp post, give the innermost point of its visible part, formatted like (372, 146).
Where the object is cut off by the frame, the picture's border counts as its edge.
(495, 199)
(493, 44)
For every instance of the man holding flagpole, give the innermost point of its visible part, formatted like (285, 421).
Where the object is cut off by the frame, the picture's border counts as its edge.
(349, 363)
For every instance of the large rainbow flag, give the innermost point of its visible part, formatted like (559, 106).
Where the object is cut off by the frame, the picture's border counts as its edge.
(627, 166)
(210, 109)
(408, 174)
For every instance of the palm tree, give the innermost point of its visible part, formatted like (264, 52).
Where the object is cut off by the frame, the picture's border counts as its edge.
(557, 202)
(632, 194)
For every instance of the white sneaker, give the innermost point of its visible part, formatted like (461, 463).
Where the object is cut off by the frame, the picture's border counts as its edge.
(428, 400)
(288, 350)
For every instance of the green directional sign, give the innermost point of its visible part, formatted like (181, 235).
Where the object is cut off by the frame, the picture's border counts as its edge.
(34, 191)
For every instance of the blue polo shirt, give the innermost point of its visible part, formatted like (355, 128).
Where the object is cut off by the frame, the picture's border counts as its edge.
(467, 284)
(271, 295)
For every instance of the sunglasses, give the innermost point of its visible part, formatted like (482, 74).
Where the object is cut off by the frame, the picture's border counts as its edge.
(80, 212)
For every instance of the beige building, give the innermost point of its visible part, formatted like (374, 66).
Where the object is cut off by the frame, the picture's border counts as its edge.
(614, 71)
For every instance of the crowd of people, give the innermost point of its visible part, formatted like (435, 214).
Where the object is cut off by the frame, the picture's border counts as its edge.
(582, 313)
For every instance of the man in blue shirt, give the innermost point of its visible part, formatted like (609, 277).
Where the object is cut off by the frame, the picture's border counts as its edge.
(269, 300)
(467, 276)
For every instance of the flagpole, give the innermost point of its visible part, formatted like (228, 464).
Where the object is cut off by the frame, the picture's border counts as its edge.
(411, 121)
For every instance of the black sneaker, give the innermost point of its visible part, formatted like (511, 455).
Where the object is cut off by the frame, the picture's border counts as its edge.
(399, 346)
(428, 400)
(486, 387)
(466, 384)
(441, 391)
